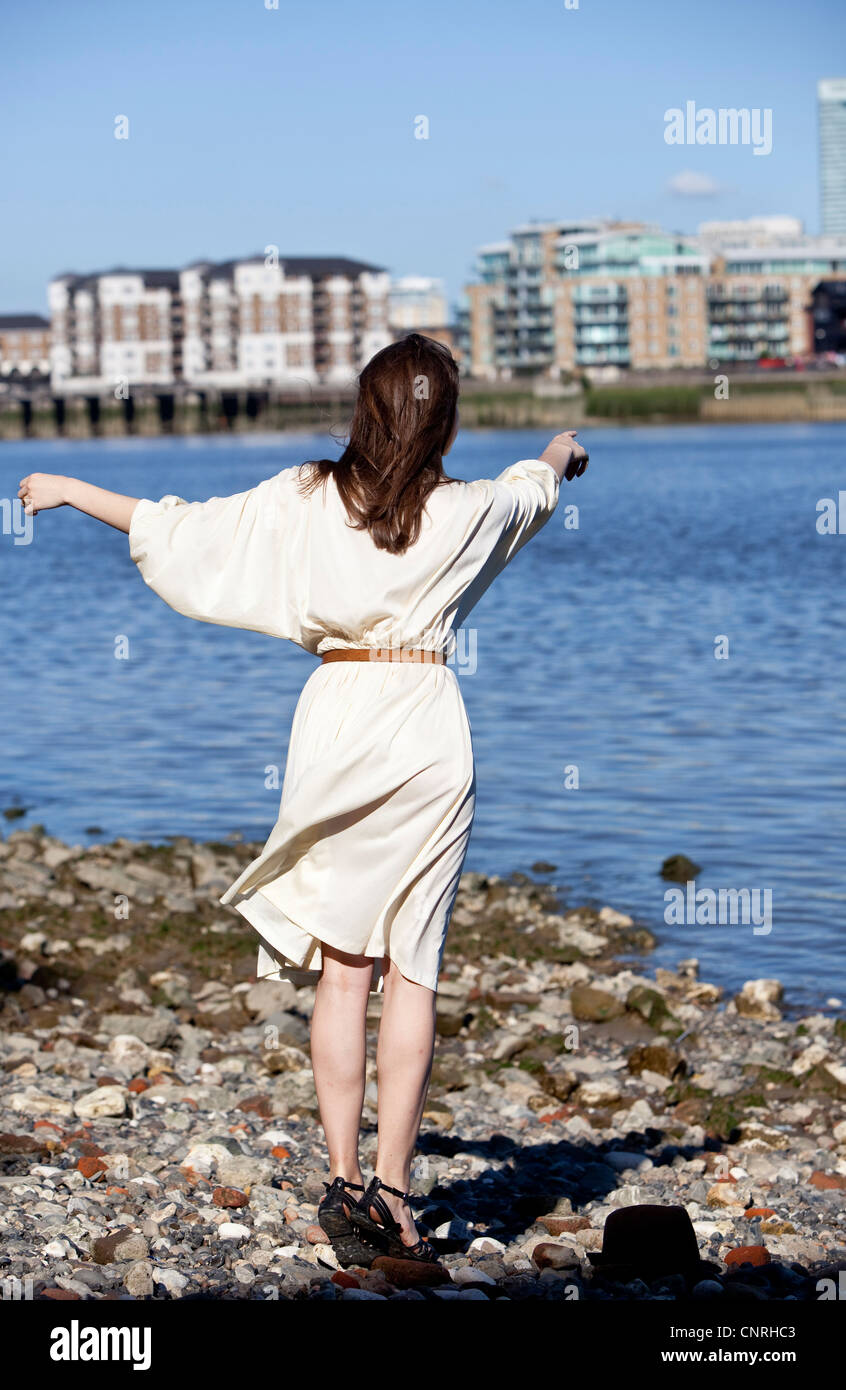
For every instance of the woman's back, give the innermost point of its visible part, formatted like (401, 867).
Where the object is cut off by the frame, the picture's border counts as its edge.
(286, 561)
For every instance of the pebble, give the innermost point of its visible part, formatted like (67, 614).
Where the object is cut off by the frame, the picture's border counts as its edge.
(106, 1100)
(171, 1280)
(468, 1274)
(138, 1279)
(233, 1230)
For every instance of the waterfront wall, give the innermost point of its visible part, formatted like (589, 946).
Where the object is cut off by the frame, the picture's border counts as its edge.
(497, 406)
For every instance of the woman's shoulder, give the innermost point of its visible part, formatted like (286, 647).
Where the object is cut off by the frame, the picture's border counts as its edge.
(292, 481)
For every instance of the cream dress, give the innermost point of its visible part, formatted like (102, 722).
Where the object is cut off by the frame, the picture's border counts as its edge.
(379, 789)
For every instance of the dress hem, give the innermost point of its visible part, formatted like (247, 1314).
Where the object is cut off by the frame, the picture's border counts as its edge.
(279, 958)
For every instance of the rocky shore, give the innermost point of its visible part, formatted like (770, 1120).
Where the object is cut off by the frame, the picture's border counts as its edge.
(158, 1123)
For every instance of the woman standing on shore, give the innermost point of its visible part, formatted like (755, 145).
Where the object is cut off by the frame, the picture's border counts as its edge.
(370, 562)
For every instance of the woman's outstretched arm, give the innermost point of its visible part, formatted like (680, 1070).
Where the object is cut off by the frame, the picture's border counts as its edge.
(41, 491)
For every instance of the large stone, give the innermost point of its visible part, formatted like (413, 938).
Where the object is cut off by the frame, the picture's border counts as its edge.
(284, 1027)
(283, 1058)
(269, 997)
(20, 1144)
(203, 1159)
(450, 1014)
(55, 853)
(204, 1097)
(233, 1230)
(677, 868)
(592, 1005)
(105, 1100)
(760, 1137)
(597, 1093)
(171, 985)
(128, 1050)
(828, 1078)
(138, 1280)
(119, 1245)
(559, 1084)
(828, 1182)
(582, 942)
(758, 999)
(548, 1254)
(439, 1115)
(611, 918)
(171, 1280)
(468, 1275)
(229, 1197)
(756, 1255)
(564, 1225)
(809, 1058)
(656, 1057)
(154, 1029)
(103, 876)
(723, 1194)
(206, 872)
(32, 1102)
(650, 1005)
(242, 1172)
(410, 1274)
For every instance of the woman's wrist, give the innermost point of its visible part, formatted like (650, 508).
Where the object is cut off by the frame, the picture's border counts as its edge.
(69, 491)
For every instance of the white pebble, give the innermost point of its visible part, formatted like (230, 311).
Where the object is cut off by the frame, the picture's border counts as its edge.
(467, 1274)
(233, 1230)
(485, 1245)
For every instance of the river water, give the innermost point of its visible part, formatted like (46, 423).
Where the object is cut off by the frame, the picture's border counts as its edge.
(612, 725)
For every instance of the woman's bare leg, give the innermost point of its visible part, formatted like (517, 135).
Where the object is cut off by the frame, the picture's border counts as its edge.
(404, 1063)
(338, 1052)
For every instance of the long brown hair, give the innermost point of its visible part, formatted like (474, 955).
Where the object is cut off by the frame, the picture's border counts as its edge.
(402, 422)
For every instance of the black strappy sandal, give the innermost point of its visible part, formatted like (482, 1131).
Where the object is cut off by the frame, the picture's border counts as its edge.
(386, 1233)
(333, 1219)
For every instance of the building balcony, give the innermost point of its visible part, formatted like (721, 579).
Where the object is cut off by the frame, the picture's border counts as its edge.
(751, 335)
(602, 357)
(735, 314)
(756, 296)
(602, 314)
(607, 338)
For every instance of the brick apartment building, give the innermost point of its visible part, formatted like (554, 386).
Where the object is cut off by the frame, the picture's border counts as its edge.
(256, 322)
(24, 347)
(558, 298)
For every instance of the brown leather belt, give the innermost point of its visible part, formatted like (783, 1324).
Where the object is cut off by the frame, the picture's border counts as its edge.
(402, 654)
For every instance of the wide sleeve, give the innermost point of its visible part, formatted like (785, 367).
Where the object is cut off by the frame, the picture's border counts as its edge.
(230, 560)
(513, 508)
(526, 496)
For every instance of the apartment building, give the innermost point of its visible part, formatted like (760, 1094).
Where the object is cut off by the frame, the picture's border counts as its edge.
(114, 328)
(296, 320)
(559, 298)
(256, 322)
(773, 230)
(759, 298)
(417, 302)
(24, 346)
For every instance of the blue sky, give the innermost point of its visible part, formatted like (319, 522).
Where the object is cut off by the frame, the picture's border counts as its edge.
(251, 126)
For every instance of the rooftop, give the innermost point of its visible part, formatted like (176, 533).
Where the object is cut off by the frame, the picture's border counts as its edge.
(153, 279)
(317, 267)
(10, 321)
